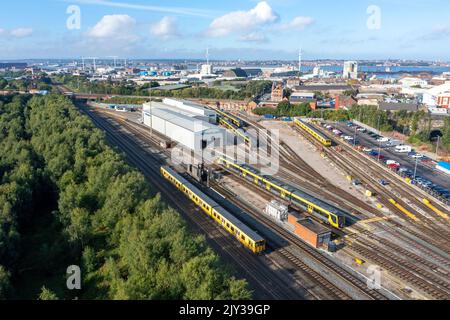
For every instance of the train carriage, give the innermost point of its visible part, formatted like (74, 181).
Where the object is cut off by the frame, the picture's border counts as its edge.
(244, 234)
(316, 134)
(313, 205)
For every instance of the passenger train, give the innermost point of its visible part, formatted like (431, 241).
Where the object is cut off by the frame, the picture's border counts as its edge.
(249, 238)
(316, 134)
(316, 207)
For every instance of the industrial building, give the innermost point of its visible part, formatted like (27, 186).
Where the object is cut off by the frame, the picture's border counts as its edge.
(183, 129)
(184, 122)
(193, 108)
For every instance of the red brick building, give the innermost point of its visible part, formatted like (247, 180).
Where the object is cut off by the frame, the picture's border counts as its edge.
(443, 100)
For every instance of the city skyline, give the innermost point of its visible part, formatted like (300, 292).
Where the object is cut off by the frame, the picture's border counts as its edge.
(247, 30)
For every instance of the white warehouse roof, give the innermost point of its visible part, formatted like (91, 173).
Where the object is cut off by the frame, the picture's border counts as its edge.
(189, 106)
(181, 120)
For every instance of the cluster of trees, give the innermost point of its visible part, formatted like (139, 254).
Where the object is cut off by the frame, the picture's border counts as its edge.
(446, 134)
(82, 84)
(68, 198)
(39, 83)
(286, 109)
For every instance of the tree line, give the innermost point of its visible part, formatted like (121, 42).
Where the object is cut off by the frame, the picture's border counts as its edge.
(67, 198)
(82, 84)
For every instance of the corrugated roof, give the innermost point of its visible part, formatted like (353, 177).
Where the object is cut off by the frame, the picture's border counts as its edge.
(189, 123)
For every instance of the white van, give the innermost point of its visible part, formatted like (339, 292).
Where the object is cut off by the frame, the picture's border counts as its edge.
(383, 139)
(403, 149)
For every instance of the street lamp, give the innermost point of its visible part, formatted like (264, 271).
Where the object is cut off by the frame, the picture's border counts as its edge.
(379, 142)
(415, 168)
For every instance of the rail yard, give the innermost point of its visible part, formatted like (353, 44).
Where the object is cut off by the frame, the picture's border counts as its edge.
(331, 222)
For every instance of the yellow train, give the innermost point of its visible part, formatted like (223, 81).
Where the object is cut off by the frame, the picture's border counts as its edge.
(237, 132)
(313, 132)
(239, 230)
(235, 121)
(314, 206)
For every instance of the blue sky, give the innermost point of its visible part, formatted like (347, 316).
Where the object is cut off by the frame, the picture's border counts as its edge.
(232, 29)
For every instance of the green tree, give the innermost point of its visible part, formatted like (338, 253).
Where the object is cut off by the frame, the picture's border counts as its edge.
(47, 294)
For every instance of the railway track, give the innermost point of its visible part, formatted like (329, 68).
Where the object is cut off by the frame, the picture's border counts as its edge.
(305, 248)
(331, 290)
(417, 275)
(274, 286)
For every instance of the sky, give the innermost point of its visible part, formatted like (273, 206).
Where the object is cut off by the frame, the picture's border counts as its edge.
(231, 29)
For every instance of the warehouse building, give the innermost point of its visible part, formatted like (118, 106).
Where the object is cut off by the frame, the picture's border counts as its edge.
(192, 107)
(187, 129)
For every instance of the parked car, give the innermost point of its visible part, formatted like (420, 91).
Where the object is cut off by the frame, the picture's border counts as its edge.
(367, 149)
(388, 162)
(417, 156)
(383, 139)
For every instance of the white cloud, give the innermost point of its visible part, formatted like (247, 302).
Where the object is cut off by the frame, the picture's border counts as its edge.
(165, 29)
(241, 21)
(21, 32)
(437, 33)
(253, 37)
(114, 27)
(2, 31)
(298, 23)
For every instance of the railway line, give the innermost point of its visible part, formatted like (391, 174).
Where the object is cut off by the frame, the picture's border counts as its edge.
(330, 290)
(370, 177)
(274, 286)
(331, 266)
(418, 273)
(434, 285)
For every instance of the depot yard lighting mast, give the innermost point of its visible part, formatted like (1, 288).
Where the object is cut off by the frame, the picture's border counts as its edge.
(299, 62)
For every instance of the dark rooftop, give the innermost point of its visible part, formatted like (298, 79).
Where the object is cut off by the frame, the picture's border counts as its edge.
(390, 106)
(313, 226)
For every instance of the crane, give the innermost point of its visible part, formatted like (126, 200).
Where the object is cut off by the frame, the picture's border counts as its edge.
(94, 60)
(115, 60)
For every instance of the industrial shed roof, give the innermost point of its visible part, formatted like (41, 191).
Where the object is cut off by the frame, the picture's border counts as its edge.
(183, 121)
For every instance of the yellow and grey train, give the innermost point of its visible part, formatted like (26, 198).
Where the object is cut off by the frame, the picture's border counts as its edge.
(235, 121)
(316, 134)
(314, 206)
(234, 226)
(236, 131)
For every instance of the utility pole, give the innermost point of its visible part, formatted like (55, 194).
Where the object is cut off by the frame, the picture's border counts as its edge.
(299, 62)
(415, 169)
(437, 147)
(379, 142)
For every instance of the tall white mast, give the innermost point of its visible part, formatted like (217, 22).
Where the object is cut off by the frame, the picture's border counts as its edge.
(300, 61)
